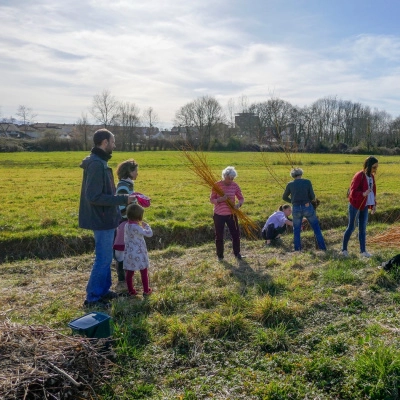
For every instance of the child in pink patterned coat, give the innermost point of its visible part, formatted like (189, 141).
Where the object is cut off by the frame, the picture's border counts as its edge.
(135, 253)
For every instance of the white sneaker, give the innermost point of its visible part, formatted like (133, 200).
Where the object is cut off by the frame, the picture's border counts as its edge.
(344, 253)
(366, 254)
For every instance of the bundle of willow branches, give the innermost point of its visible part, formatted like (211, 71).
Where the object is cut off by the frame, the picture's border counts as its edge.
(197, 163)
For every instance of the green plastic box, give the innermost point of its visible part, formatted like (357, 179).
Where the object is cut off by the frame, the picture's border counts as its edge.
(92, 325)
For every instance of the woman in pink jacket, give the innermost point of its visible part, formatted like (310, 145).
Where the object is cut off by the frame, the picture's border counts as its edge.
(362, 196)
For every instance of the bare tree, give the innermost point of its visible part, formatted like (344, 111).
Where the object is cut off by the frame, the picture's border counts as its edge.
(82, 130)
(378, 129)
(202, 116)
(105, 108)
(244, 103)
(150, 119)
(26, 115)
(274, 117)
(280, 112)
(184, 118)
(395, 133)
(231, 109)
(231, 120)
(129, 121)
(258, 121)
(3, 125)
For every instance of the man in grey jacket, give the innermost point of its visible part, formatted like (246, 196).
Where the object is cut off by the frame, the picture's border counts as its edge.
(99, 212)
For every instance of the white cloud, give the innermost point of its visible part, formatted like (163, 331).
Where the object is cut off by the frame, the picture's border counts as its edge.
(56, 56)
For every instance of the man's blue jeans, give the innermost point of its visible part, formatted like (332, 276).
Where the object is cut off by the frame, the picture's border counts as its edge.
(298, 213)
(359, 217)
(100, 277)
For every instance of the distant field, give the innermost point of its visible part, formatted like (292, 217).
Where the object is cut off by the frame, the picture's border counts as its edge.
(40, 191)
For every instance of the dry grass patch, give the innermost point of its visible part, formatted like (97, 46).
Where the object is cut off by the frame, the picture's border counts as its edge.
(205, 331)
(51, 291)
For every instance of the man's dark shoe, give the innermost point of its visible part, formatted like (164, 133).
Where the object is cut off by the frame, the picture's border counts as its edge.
(97, 304)
(110, 295)
(239, 257)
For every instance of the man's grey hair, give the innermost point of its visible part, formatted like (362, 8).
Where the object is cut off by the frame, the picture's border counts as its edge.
(295, 172)
(229, 171)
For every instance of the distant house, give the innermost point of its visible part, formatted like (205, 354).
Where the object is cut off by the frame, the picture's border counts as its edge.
(63, 131)
(157, 135)
(146, 133)
(67, 129)
(173, 135)
(30, 133)
(10, 130)
(185, 132)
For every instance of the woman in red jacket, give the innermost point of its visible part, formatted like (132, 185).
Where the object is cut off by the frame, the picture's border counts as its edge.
(362, 196)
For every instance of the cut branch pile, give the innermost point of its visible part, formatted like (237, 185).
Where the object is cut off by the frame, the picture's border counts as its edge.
(37, 362)
(389, 238)
(197, 163)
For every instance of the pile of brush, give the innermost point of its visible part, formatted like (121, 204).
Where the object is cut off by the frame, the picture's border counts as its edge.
(389, 238)
(37, 362)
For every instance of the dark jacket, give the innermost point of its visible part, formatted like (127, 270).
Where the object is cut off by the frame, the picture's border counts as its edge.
(98, 208)
(299, 192)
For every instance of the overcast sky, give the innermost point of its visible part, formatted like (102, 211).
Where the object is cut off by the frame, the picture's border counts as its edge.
(56, 55)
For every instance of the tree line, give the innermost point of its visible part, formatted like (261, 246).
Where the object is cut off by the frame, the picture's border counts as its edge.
(328, 124)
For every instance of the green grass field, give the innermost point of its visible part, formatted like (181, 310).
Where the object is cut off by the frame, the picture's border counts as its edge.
(40, 191)
(277, 325)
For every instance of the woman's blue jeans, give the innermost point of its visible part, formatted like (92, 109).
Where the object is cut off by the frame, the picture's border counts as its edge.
(100, 277)
(359, 217)
(307, 211)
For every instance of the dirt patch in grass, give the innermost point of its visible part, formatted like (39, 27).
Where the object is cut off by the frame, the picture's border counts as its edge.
(52, 246)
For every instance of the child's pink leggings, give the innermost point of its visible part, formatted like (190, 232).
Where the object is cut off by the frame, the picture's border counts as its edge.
(145, 281)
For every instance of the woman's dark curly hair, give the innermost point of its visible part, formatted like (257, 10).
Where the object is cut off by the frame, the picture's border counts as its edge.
(125, 168)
